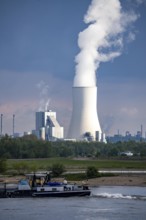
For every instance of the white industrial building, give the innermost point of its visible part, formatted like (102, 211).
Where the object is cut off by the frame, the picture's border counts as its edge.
(47, 126)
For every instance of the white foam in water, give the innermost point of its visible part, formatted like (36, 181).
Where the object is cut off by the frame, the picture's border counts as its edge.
(115, 196)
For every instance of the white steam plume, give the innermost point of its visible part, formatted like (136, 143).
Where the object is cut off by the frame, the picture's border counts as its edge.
(44, 100)
(102, 40)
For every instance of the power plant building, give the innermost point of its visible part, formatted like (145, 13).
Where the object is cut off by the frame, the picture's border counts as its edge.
(47, 126)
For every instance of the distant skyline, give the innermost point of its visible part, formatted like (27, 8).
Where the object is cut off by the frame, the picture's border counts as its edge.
(38, 41)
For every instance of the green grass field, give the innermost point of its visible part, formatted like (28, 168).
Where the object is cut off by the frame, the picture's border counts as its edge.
(81, 164)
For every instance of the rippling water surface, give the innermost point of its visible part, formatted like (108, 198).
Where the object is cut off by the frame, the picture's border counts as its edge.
(105, 203)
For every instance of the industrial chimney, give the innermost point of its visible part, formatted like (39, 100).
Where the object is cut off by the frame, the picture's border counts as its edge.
(1, 133)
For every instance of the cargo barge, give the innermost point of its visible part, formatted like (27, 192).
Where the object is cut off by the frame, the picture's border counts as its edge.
(42, 186)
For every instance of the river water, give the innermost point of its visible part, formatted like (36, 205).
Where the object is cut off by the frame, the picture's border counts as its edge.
(114, 203)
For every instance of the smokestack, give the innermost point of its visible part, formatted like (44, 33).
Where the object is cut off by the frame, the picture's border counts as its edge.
(84, 115)
(141, 131)
(1, 124)
(13, 125)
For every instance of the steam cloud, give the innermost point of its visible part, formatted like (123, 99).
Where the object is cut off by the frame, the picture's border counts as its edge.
(44, 101)
(102, 40)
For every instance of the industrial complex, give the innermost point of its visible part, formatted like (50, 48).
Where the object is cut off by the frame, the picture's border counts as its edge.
(47, 126)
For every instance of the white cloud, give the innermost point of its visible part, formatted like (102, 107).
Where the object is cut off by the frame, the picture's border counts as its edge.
(131, 37)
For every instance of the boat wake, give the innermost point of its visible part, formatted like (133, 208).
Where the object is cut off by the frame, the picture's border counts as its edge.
(119, 196)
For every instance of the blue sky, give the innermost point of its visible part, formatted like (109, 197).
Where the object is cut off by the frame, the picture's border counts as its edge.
(38, 45)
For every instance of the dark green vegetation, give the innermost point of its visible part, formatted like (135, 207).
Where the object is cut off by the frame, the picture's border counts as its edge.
(31, 147)
(57, 169)
(23, 166)
(80, 164)
(29, 154)
(91, 172)
(3, 165)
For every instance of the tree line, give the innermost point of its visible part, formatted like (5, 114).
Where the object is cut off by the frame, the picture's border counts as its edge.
(30, 147)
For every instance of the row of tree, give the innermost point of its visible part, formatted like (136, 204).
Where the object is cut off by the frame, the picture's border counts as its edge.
(31, 147)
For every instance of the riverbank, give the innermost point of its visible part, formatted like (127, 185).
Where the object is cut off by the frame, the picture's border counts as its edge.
(119, 180)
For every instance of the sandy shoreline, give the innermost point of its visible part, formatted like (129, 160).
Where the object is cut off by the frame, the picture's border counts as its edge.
(120, 180)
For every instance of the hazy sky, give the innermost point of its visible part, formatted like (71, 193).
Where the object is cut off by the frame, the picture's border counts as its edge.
(38, 45)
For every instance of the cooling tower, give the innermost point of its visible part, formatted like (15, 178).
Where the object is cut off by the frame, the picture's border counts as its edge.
(84, 116)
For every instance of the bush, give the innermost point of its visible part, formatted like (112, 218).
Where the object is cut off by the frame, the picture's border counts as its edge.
(75, 176)
(91, 172)
(3, 165)
(57, 169)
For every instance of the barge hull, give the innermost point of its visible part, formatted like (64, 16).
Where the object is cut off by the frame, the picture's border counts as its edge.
(62, 194)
